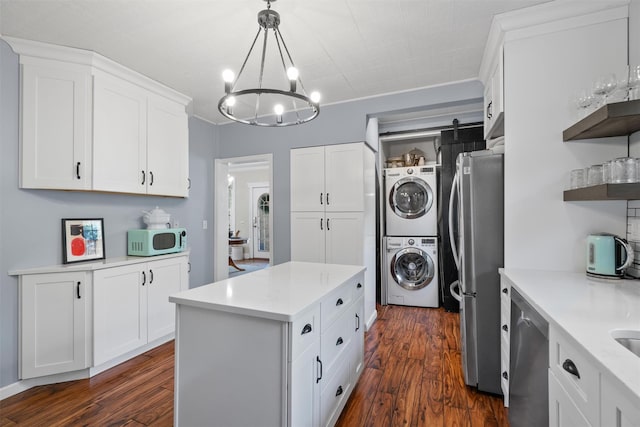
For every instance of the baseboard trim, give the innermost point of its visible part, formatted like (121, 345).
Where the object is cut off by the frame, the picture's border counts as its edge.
(371, 320)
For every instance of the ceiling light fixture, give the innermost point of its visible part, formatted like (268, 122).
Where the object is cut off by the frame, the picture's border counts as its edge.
(261, 106)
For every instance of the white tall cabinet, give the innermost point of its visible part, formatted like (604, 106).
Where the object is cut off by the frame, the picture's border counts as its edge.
(333, 210)
(88, 123)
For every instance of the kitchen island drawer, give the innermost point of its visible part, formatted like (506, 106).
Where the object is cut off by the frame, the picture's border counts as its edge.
(577, 374)
(336, 303)
(305, 331)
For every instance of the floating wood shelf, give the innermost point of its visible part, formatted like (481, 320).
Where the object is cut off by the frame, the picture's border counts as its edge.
(604, 192)
(616, 119)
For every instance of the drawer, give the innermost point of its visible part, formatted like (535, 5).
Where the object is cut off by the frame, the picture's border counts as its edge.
(583, 387)
(336, 303)
(358, 286)
(305, 331)
(334, 394)
(336, 339)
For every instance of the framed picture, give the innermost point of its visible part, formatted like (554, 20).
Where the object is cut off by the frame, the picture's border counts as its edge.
(82, 239)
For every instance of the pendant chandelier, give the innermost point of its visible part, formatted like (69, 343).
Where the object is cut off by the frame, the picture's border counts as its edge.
(286, 103)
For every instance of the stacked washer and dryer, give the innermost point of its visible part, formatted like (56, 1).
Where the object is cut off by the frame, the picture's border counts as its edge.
(411, 236)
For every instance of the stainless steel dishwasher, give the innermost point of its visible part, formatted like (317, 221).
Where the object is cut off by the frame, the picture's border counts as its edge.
(528, 366)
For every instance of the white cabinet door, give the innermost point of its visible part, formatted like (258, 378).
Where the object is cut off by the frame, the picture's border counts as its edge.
(167, 148)
(305, 389)
(119, 312)
(307, 179)
(344, 238)
(563, 412)
(619, 407)
(56, 126)
(344, 178)
(53, 323)
(308, 236)
(166, 277)
(119, 136)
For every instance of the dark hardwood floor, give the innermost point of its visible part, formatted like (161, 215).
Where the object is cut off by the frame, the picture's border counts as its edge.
(412, 377)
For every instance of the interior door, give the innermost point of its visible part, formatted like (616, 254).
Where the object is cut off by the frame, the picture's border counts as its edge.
(260, 212)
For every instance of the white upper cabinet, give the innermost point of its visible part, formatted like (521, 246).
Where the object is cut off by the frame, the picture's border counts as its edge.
(91, 124)
(307, 179)
(56, 123)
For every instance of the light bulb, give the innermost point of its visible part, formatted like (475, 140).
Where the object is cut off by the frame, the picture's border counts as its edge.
(315, 97)
(231, 101)
(278, 109)
(228, 76)
(292, 73)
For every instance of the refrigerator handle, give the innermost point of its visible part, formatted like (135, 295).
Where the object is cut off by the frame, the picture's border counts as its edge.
(452, 240)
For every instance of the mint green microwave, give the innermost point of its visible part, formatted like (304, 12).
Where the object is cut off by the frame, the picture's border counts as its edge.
(151, 242)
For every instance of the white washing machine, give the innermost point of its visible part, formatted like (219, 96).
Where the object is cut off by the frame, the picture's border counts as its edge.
(411, 199)
(411, 265)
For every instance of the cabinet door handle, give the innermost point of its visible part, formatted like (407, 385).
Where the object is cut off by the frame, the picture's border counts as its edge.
(188, 183)
(340, 341)
(78, 290)
(328, 228)
(321, 228)
(339, 302)
(306, 329)
(505, 328)
(505, 375)
(144, 278)
(571, 367)
(143, 178)
(489, 115)
(150, 276)
(339, 391)
(150, 178)
(189, 270)
(78, 170)
(318, 378)
(327, 199)
(357, 322)
(321, 197)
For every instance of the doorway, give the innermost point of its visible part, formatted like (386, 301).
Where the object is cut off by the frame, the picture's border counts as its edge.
(234, 213)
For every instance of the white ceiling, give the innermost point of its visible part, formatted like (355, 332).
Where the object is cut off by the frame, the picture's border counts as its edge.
(346, 49)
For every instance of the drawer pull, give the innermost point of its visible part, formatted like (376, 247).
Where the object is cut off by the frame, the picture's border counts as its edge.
(340, 341)
(505, 328)
(570, 367)
(505, 291)
(359, 285)
(505, 375)
(306, 329)
(339, 302)
(339, 391)
(319, 364)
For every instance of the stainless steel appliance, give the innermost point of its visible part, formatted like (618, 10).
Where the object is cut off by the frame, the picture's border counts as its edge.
(478, 248)
(412, 271)
(528, 366)
(608, 256)
(411, 201)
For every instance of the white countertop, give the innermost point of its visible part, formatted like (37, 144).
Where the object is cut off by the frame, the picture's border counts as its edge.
(587, 309)
(94, 265)
(280, 293)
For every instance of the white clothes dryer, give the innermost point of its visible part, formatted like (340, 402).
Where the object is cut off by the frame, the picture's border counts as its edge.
(411, 200)
(411, 265)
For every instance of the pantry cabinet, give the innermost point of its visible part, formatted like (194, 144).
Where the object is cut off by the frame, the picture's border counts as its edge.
(55, 323)
(90, 124)
(494, 99)
(132, 306)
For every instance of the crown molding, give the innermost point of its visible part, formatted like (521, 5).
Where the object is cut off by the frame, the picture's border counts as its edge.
(29, 49)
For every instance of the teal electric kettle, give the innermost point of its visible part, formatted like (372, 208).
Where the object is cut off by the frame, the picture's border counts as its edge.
(608, 255)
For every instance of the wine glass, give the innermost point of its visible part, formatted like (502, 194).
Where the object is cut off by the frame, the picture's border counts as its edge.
(634, 82)
(603, 86)
(584, 100)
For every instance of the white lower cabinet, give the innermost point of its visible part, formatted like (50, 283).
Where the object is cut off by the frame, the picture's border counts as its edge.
(563, 412)
(618, 408)
(55, 313)
(238, 370)
(505, 338)
(132, 306)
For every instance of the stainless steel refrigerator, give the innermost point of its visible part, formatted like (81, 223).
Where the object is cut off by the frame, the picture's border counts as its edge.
(477, 238)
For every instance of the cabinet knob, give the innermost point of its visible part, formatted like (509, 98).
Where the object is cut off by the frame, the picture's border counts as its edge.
(339, 391)
(505, 291)
(571, 367)
(340, 341)
(505, 328)
(359, 285)
(339, 302)
(505, 375)
(306, 329)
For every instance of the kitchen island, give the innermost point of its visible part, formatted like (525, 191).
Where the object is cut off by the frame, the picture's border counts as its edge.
(593, 379)
(283, 346)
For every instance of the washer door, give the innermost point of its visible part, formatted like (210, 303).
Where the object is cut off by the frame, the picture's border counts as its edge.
(410, 198)
(412, 268)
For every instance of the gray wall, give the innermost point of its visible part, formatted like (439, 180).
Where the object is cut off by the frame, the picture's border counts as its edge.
(336, 124)
(30, 219)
